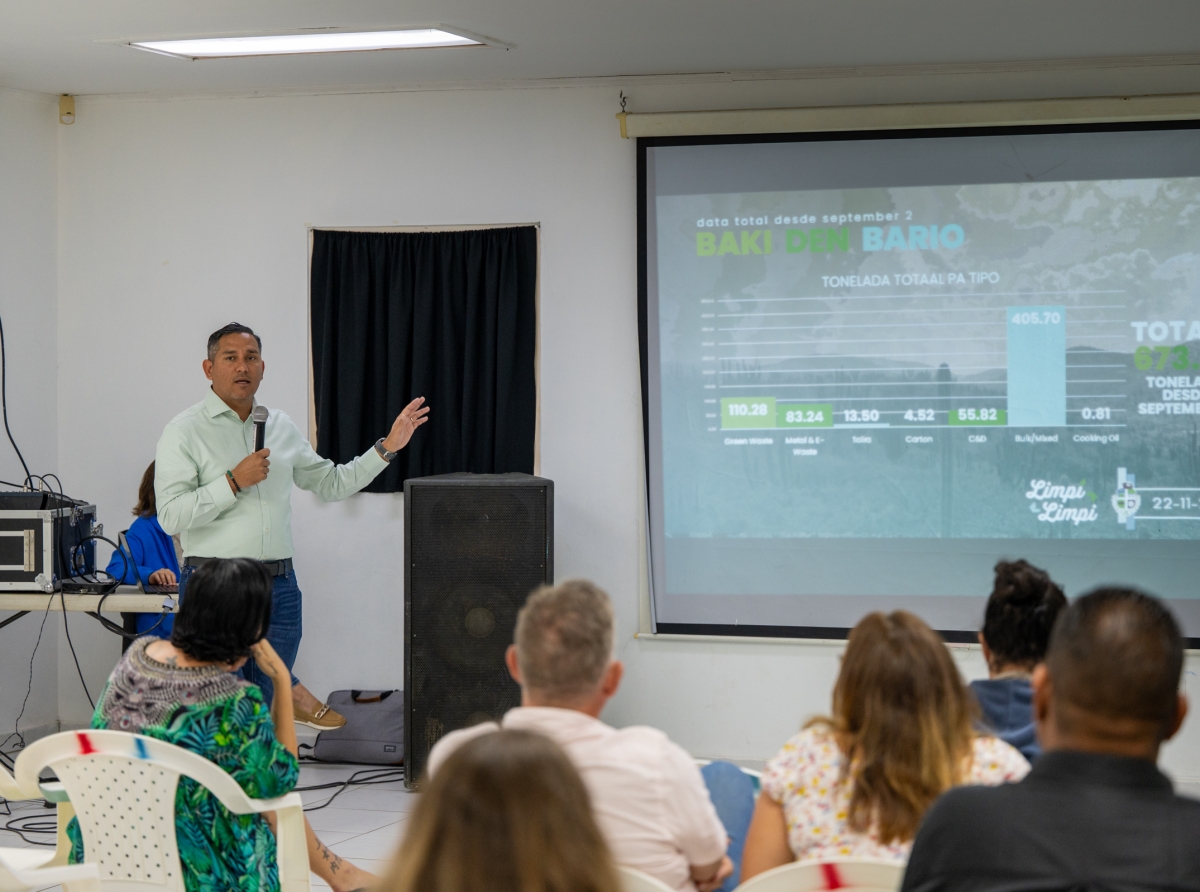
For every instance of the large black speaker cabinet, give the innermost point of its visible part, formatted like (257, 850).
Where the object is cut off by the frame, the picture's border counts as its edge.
(475, 546)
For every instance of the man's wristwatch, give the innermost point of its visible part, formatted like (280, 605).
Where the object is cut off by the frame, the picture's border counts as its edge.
(384, 454)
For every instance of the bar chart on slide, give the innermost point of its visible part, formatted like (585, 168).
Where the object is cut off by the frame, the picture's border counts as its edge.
(1036, 378)
(965, 360)
(1032, 372)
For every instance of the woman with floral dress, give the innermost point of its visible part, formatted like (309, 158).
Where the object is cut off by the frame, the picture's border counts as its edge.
(902, 733)
(184, 691)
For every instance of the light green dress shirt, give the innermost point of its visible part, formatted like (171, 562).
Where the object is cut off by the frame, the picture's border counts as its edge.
(196, 501)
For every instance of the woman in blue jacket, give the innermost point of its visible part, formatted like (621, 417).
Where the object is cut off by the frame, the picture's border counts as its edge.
(153, 558)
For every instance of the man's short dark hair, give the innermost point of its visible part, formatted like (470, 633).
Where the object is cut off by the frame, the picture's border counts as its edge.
(1117, 653)
(1024, 604)
(232, 328)
(226, 610)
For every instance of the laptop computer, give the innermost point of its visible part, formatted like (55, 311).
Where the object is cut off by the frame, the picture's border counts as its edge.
(147, 587)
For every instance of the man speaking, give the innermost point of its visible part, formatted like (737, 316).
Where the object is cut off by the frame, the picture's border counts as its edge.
(227, 500)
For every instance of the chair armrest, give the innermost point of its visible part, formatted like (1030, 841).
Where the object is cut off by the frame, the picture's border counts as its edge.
(54, 791)
(291, 843)
(73, 878)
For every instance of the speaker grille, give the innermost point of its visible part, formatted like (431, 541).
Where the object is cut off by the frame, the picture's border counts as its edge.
(475, 552)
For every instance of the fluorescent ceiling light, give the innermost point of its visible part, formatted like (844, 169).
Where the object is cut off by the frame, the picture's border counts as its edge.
(316, 42)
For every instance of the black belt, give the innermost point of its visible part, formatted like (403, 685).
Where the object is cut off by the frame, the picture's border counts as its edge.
(275, 568)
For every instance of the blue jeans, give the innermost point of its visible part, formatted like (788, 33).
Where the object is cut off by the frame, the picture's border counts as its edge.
(732, 792)
(287, 626)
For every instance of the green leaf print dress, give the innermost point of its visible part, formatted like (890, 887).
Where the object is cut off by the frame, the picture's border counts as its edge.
(217, 715)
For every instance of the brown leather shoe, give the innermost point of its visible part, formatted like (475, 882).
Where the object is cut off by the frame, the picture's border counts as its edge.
(324, 719)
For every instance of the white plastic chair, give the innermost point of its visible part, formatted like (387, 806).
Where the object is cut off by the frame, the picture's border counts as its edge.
(44, 858)
(122, 787)
(636, 881)
(827, 874)
(8, 787)
(18, 874)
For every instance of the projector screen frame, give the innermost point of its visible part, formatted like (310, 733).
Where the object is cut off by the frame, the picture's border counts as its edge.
(642, 144)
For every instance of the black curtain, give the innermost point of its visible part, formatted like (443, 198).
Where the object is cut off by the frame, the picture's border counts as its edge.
(445, 315)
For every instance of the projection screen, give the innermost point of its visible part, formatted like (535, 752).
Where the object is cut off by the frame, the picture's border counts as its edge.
(876, 363)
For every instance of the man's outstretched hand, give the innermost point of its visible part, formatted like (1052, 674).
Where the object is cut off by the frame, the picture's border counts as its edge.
(412, 417)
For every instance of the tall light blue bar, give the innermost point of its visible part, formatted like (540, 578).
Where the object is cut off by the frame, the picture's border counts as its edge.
(1037, 367)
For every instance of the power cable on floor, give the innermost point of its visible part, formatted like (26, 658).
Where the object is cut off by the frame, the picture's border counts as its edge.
(373, 776)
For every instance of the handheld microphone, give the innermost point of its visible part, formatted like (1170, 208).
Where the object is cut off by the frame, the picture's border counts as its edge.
(260, 427)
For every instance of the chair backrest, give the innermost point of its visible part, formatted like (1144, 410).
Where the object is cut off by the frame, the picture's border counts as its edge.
(828, 874)
(636, 881)
(122, 787)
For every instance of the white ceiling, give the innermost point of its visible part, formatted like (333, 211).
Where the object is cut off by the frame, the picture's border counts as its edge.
(55, 46)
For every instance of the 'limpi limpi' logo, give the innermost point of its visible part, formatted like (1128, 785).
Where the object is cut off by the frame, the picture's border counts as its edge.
(1050, 502)
(1125, 500)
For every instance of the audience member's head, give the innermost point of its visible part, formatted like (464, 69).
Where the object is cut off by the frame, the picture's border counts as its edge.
(146, 506)
(507, 813)
(903, 718)
(227, 609)
(563, 647)
(1110, 682)
(1020, 613)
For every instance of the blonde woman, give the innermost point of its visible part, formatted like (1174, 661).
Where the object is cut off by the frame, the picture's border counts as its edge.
(506, 813)
(857, 784)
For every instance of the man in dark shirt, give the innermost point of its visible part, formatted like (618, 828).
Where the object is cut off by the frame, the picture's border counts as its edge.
(1095, 813)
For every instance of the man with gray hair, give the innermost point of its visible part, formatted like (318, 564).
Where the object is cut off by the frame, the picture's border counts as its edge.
(648, 794)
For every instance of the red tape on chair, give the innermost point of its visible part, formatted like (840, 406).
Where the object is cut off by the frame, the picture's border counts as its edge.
(85, 743)
(833, 879)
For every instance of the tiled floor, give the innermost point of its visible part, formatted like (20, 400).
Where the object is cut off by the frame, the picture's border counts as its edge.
(364, 824)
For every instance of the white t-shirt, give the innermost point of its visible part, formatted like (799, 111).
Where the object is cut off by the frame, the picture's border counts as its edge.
(647, 793)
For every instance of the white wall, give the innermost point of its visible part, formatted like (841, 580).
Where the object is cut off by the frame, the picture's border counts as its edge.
(28, 249)
(179, 215)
